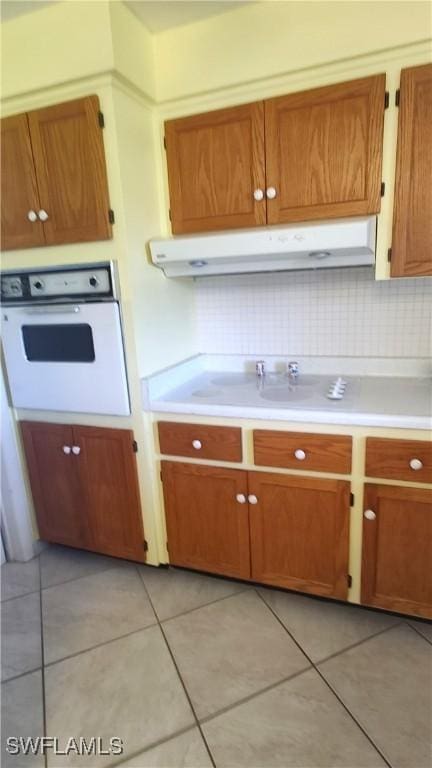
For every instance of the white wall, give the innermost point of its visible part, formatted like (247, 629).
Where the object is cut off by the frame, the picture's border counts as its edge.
(328, 312)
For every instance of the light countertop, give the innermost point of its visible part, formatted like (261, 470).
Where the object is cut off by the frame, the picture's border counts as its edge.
(200, 387)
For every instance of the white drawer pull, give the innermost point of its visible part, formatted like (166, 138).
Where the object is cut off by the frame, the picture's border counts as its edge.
(76, 450)
(252, 499)
(66, 449)
(197, 444)
(270, 193)
(369, 514)
(43, 216)
(258, 195)
(299, 454)
(32, 216)
(416, 464)
(241, 498)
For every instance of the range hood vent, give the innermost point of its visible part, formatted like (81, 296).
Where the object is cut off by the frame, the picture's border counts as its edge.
(316, 245)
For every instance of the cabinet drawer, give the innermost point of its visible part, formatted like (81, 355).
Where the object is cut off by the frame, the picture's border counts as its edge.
(399, 459)
(301, 450)
(200, 441)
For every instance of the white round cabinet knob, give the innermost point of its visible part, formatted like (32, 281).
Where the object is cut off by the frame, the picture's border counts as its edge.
(197, 444)
(32, 216)
(66, 449)
(299, 454)
(258, 194)
(43, 216)
(271, 193)
(76, 450)
(252, 499)
(416, 464)
(369, 514)
(241, 498)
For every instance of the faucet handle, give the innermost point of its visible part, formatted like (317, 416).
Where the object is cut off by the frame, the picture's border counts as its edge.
(293, 369)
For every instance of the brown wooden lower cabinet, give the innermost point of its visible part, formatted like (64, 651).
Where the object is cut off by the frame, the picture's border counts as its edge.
(397, 549)
(300, 532)
(207, 527)
(85, 487)
(277, 529)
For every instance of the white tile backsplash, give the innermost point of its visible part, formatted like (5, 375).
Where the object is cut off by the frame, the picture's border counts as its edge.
(327, 312)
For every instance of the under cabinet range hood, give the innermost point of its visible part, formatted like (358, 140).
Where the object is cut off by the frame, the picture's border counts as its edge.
(315, 245)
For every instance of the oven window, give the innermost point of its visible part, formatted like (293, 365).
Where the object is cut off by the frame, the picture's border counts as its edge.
(72, 343)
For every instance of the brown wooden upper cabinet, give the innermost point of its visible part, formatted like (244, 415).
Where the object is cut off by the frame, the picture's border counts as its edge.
(54, 186)
(411, 252)
(310, 155)
(85, 487)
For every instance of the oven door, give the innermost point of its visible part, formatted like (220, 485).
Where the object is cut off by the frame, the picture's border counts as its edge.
(66, 357)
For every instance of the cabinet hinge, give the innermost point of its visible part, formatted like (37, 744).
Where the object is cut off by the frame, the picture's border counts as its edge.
(101, 119)
(164, 142)
(351, 499)
(169, 213)
(349, 580)
(161, 476)
(386, 100)
(111, 218)
(134, 446)
(167, 547)
(397, 97)
(382, 188)
(389, 254)
(145, 546)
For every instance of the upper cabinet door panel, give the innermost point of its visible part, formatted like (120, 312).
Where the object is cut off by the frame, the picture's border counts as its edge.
(412, 221)
(324, 151)
(215, 163)
(19, 194)
(70, 168)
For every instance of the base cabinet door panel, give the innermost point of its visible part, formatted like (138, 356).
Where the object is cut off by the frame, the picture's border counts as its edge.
(109, 474)
(56, 485)
(300, 533)
(397, 549)
(207, 527)
(85, 487)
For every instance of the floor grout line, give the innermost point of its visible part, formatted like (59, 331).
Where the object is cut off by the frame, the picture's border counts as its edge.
(359, 642)
(17, 597)
(416, 629)
(22, 674)
(100, 645)
(153, 745)
(198, 724)
(336, 695)
(44, 709)
(85, 575)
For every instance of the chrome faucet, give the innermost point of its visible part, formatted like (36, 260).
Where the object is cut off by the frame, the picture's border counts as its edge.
(260, 368)
(293, 370)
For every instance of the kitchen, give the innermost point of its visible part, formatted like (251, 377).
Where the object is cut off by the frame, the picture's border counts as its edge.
(183, 336)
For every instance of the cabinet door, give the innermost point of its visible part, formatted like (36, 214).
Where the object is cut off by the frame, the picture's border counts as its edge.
(70, 168)
(109, 475)
(299, 533)
(207, 527)
(412, 220)
(55, 483)
(324, 151)
(215, 163)
(19, 194)
(397, 549)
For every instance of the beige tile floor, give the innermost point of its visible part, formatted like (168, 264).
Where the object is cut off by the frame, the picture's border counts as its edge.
(194, 671)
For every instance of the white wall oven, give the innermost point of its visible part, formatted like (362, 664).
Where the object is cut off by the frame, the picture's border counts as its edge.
(62, 339)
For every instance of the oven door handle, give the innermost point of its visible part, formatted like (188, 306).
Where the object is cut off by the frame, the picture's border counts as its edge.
(63, 310)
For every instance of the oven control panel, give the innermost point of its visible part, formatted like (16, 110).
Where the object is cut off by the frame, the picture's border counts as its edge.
(88, 283)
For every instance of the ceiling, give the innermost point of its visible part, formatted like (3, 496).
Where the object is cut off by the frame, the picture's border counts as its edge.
(156, 16)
